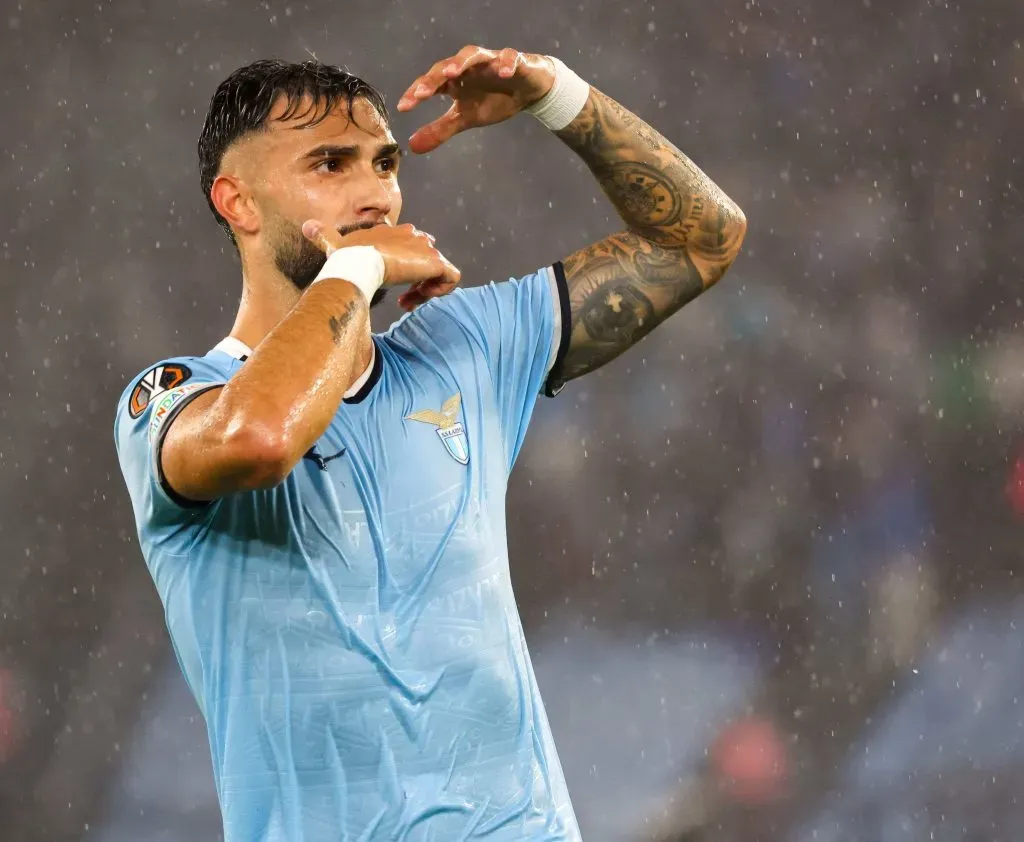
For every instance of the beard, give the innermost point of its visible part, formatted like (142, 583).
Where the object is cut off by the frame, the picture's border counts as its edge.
(300, 261)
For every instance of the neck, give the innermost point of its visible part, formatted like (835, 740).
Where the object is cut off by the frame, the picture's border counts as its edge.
(267, 297)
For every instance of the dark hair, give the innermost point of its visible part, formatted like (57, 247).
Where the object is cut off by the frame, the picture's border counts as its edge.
(243, 101)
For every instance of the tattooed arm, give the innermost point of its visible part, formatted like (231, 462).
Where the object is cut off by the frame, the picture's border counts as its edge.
(682, 234)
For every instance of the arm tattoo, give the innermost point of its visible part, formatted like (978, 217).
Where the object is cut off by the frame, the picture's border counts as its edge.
(338, 324)
(682, 234)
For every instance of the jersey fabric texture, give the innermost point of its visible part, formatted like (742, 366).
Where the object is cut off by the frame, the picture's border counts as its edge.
(351, 636)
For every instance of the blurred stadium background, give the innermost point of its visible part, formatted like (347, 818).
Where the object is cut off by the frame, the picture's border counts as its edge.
(769, 562)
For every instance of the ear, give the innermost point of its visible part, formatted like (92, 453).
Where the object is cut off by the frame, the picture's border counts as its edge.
(233, 201)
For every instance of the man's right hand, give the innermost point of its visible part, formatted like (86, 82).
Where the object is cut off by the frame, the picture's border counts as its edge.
(410, 258)
(251, 433)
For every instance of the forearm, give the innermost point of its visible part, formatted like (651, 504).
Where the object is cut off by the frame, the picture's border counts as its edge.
(661, 195)
(682, 235)
(292, 385)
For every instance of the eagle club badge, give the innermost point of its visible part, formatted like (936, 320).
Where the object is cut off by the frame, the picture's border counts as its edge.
(450, 431)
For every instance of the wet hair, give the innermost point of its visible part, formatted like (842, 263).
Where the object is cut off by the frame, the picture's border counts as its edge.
(242, 104)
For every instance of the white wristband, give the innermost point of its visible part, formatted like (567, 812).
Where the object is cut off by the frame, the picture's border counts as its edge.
(563, 103)
(359, 265)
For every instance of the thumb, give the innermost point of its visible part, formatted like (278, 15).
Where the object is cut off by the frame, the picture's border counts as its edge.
(322, 236)
(432, 135)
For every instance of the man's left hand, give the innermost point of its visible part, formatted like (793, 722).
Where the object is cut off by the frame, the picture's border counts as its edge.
(486, 86)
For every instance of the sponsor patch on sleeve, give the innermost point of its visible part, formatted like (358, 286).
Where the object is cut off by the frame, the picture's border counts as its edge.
(155, 382)
(167, 401)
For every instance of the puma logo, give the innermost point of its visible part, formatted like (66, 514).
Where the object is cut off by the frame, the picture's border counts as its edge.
(322, 461)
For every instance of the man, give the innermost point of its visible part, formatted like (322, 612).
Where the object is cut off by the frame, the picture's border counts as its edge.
(322, 508)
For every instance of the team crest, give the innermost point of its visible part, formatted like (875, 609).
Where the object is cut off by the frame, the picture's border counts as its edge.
(154, 383)
(450, 431)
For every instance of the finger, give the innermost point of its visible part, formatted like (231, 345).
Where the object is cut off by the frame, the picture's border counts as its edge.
(453, 276)
(421, 88)
(436, 74)
(433, 287)
(465, 60)
(416, 295)
(416, 232)
(425, 85)
(323, 236)
(429, 137)
(509, 61)
(424, 291)
(445, 282)
(441, 73)
(411, 299)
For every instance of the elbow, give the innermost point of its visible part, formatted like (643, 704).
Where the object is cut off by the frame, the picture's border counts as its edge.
(734, 231)
(720, 254)
(718, 245)
(271, 465)
(257, 454)
(740, 223)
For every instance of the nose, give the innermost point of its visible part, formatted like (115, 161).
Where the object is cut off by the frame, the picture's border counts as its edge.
(372, 198)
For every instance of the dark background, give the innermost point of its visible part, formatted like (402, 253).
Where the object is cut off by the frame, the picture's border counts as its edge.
(768, 561)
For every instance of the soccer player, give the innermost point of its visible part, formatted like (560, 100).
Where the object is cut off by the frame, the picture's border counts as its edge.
(322, 507)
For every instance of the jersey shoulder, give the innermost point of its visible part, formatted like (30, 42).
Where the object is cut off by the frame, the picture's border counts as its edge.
(177, 375)
(470, 317)
(438, 322)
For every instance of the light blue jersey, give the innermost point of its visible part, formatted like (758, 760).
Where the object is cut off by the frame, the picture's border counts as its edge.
(351, 636)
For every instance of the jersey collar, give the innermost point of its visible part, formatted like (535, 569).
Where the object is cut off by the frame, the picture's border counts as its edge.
(234, 348)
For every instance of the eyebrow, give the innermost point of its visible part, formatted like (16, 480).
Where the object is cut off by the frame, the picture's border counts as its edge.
(331, 150)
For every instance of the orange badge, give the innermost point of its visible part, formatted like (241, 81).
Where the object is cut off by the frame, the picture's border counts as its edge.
(155, 382)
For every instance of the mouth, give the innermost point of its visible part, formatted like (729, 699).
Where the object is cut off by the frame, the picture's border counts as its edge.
(359, 226)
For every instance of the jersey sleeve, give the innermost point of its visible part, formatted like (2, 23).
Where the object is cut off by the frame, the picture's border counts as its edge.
(521, 327)
(145, 412)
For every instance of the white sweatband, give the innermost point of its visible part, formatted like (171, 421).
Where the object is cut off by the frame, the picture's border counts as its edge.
(561, 105)
(359, 265)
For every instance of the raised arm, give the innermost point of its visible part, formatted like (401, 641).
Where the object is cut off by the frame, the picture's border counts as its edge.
(682, 233)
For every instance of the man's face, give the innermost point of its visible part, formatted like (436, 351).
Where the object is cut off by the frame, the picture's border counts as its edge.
(342, 172)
